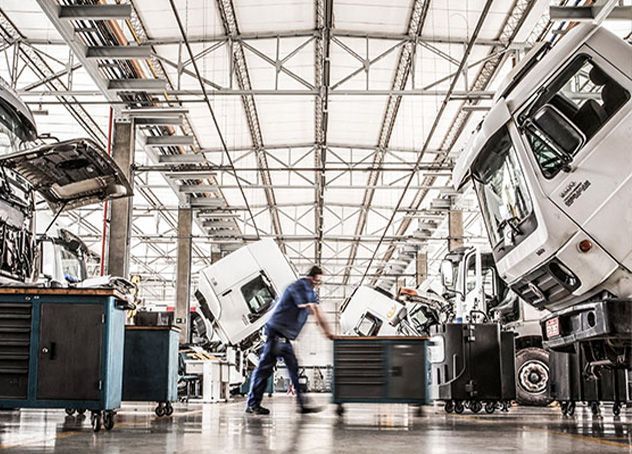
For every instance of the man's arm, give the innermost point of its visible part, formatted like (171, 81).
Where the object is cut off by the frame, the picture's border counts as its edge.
(324, 326)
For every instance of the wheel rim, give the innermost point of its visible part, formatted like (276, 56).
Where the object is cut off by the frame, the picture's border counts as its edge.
(533, 376)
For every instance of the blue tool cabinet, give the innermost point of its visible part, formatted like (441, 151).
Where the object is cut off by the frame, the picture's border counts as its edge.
(150, 371)
(62, 348)
(381, 370)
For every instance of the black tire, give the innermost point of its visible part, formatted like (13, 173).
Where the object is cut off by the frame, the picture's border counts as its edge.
(108, 420)
(340, 410)
(160, 411)
(459, 408)
(449, 406)
(533, 379)
(70, 411)
(168, 409)
(595, 408)
(81, 411)
(95, 420)
(476, 406)
(490, 407)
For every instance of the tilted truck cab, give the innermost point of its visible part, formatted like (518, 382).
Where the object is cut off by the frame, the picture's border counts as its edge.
(552, 170)
(66, 175)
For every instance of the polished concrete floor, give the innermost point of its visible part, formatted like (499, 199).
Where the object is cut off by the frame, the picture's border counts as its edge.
(363, 429)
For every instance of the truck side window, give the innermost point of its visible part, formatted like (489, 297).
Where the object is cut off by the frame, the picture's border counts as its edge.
(369, 325)
(258, 294)
(576, 104)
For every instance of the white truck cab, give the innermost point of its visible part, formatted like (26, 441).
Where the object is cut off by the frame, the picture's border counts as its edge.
(552, 170)
(238, 291)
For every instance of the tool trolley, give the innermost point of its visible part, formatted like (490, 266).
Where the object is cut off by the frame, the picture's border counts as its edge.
(62, 348)
(472, 367)
(380, 370)
(150, 371)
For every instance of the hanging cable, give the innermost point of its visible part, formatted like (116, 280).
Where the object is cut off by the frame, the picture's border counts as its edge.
(435, 124)
(210, 108)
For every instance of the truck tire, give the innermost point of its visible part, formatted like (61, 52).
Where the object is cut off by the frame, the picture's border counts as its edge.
(533, 377)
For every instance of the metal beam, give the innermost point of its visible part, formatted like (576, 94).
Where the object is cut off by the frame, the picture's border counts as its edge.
(147, 85)
(400, 80)
(338, 33)
(322, 72)
(194, 95)
(183, 272)
(242, 75)
(117, 52)
(169, 141)
(123, 145)
(95, 12)
(597, 12)
(437, 120)
(514, 21)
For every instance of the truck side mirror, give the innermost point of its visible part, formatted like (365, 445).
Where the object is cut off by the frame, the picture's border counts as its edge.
(562, 133)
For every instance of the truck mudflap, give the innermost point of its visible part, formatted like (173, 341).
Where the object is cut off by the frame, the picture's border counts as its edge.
(609, 319)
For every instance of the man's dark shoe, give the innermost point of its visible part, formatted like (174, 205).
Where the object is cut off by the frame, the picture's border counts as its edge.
(258, 410)
(306, 410)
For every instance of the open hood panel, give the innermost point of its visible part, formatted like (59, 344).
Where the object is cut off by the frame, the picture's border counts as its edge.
(70, 174)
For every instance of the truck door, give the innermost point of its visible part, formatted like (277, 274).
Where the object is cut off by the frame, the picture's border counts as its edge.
(244, 305)
(579, 128)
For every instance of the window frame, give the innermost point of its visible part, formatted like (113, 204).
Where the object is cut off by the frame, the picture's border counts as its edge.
(267, 285)
(532, 105)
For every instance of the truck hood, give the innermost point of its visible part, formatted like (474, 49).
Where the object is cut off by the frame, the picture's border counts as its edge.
(70, 174)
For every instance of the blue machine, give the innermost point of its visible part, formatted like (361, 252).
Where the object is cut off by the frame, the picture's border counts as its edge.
(381, 370)
(150, 371)
(62, 348)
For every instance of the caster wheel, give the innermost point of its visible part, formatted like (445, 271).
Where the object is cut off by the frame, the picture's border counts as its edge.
(459, 408)
(168, 409)
(564, 408)
(340, 410)
(70, 411)
(160, 411)
(476, 406)
(616, 408)
(269, 394)
(595, 408)
(449, 406)
(570, 409)
(490, 407)
(505, 406)
(95, 420)
(108, 420)
(81, 411)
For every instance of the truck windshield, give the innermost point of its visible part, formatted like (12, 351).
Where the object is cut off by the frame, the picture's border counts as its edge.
(501, 187)
(14, 130)
(73, 265)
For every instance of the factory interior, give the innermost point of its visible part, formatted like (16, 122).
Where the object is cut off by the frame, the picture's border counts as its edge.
(320, 226)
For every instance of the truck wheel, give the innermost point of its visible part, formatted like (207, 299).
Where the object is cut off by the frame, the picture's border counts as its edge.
(532, 377)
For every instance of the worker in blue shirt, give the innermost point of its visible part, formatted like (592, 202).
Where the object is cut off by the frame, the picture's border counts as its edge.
(286, 322)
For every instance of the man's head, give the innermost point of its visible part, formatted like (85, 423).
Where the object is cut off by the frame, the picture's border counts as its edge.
(315, 274)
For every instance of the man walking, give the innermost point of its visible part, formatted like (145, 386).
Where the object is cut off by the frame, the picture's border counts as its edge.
(286, 322)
